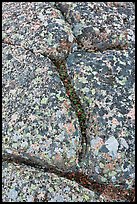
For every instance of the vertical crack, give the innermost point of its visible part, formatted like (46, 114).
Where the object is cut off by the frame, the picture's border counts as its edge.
(76, 104)
(79, 177)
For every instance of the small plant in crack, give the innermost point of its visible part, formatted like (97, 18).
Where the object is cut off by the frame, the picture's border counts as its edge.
(75, 102)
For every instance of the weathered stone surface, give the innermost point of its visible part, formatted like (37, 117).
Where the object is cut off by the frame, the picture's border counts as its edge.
(43, 127)
(26, 184)
(105, 84)
(37, 26)
(37, 116)
(101, 25)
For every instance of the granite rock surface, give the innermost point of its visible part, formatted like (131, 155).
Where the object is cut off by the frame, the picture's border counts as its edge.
(68, 83)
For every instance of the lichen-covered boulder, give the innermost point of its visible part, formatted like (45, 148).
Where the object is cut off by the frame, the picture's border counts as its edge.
(105, 84)
(101, 25)
(37, 26)
(52, 51)
(37, 115)
(21, 183)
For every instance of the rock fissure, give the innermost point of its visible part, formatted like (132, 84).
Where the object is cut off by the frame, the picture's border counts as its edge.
(77, 176)
(75, 101)
(111, 191)
(4, 41)
(76, 104)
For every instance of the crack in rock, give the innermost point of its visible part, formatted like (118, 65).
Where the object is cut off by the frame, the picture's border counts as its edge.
(80, 178)
(75, 174)
(75, 101)
(76, 104)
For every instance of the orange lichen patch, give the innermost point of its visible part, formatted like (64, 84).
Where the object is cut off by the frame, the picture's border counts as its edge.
(112, 163)
(58, 157)
(54, 14)
(65, 45)
(32, 117)
(35, 27)
(110, 166)
(105, 155)
(131, 113)
(99, 144)
(69, 127)
(66, 105)
(115, 121)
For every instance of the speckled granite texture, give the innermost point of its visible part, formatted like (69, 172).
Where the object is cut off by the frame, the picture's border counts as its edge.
(39, 119)
(102, 25)
(26, 184)
(95, 41)
(105, 83)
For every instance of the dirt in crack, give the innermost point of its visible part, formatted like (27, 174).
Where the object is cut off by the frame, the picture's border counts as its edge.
(76, 104)
(109, 191)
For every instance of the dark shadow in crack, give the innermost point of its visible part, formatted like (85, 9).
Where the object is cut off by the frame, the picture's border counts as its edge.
(109, 190)
(76, 104)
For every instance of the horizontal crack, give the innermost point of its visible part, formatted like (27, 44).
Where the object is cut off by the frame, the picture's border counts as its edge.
(4, 41)
(79, 177)
(33, 161)
(116, 47)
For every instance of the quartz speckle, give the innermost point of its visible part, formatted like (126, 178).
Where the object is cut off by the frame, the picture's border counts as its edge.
(107, 95)
(95, 43)
(32, 116)
(37, 186)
